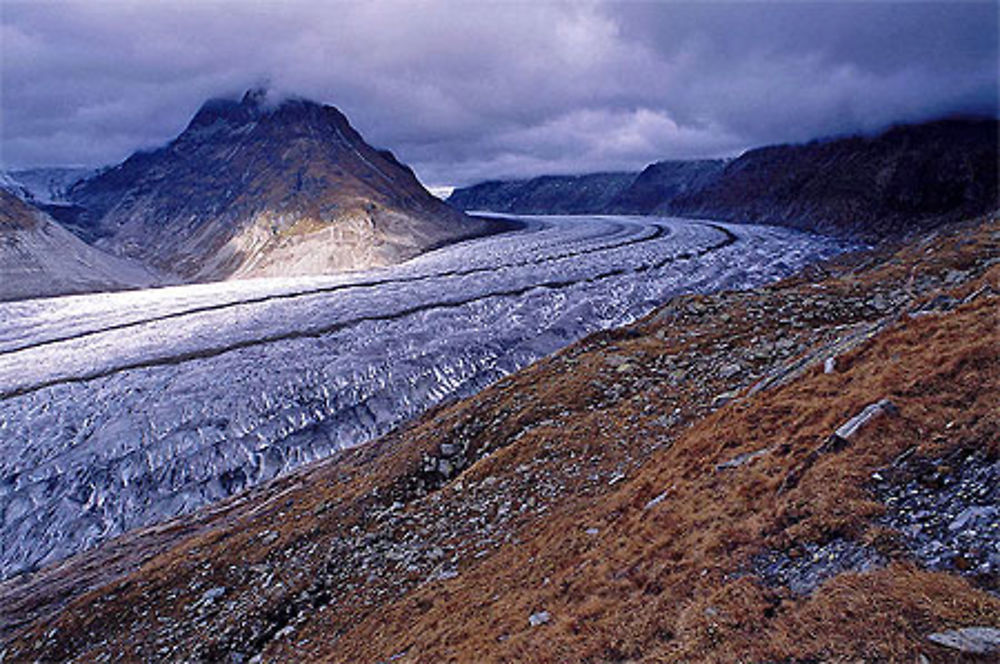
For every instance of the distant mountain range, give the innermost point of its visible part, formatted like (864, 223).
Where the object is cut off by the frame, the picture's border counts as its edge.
(907, 178)
(548, 194)
(664, 181)
(255, 187)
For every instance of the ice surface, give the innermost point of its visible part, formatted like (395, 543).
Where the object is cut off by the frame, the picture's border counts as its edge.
(118, 410)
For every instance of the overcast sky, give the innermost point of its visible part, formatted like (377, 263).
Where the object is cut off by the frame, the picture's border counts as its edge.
(465, 91)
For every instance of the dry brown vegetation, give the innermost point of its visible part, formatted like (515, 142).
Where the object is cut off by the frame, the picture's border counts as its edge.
(588, 486)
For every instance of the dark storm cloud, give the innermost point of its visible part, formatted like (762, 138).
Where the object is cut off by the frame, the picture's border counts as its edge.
(470, 90)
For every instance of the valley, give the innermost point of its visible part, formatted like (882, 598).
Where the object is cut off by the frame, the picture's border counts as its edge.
(516, 333)
(681, 489)
(121, 409)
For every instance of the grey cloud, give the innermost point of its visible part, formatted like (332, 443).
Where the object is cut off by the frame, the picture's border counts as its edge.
(465, 91)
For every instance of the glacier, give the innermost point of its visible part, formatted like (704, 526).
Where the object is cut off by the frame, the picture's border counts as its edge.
(119, 410)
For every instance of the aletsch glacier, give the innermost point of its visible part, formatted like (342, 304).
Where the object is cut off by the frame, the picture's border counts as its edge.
(124, 409)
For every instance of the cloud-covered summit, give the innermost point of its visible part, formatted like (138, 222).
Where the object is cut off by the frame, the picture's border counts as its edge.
(465, 91)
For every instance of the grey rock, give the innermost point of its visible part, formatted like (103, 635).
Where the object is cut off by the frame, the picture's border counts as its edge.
(724, 398)
(846, 430)
(445, 468)
(615, 360)
(971, 514)
(742, 459)
(879, 303)
(540, 618)
(212, 594)
(814, 564)
(785, 344)
(971, 640)
(983, 290)
(655, 501)
(954, 277)
(730, 370)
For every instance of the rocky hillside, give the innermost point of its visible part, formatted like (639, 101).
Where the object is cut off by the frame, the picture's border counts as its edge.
(806, 472)
(549, 194)
(906, 179)
(661, 183)
(255, 188)
(39, 258)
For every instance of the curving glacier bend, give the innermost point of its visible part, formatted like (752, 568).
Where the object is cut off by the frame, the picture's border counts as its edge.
(122, 409)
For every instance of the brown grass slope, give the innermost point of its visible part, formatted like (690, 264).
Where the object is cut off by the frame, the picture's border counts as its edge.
(589, 487)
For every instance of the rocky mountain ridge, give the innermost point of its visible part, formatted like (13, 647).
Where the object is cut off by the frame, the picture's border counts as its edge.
(261, 188)
(737, 477)
(906, 179)
(662, 182)
(548, 194)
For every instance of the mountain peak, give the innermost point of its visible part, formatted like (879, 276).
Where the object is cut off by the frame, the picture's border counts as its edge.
(255, 104)
(261, 165)
(255, 97)
(226, 110)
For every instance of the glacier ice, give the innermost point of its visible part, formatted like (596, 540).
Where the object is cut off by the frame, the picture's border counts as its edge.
(123, 409)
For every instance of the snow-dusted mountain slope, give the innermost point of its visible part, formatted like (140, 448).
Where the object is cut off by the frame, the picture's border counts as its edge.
(49, 185)
(122, 409)
(13, 187)
(40, 258)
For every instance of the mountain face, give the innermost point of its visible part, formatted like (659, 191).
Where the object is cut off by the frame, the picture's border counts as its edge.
(252, 188)
(39, 258)
(11, 186)
(660, 183)
(549, 194)
(907, 178)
